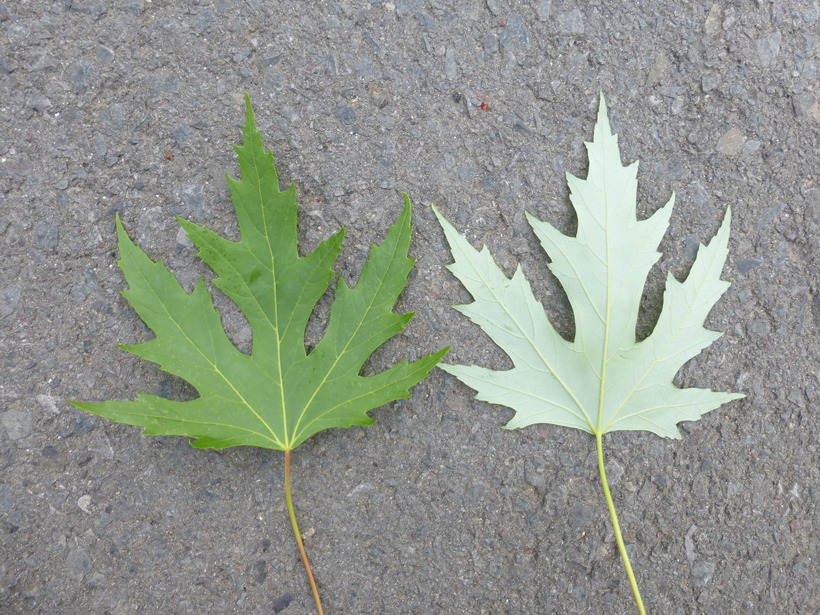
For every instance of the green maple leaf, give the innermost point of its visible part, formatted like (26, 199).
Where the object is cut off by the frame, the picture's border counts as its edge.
(603, 380)
(278, 395)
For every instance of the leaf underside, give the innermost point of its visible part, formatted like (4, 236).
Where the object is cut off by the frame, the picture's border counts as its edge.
(603, 380)
(278, 395)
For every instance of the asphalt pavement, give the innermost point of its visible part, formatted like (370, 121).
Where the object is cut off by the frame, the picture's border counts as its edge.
(479, 107)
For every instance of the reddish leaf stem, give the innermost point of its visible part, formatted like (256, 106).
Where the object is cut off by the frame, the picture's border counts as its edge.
(298, 535)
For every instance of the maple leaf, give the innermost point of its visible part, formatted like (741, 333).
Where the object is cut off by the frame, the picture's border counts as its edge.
(603, 380)
(278, 395)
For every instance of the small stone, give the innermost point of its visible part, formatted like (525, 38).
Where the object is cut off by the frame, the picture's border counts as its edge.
(802, 566)
(114, 115)
(375, 44)
(46, 235)
(490, 43)
(712, 24)
(241, 55)
(521, 504)
(426, 22)
(204, 19)
(258, 571)
(514, 35)
(345, 114)
(768, 48)
(84, 503)
(494, 8)
(731, 143)
(282, 602)
(700, 487)
(6, 66)
(38, 102)
(659, 69)
(85, 285)
(17, 33)
(79, 564)
(81, 425)
(161, 84)
(751, 146)
(95, 10)
(747, 264)
(183, 134)
(18, 167)
(48, 403)
(467, 173)
(183, 239)
(380, 97)
(270, 59)
(106, 54)
(803, 104)
(571, 23)
(101, 446)
(814, 112)
(614, 472)
(798, 399)
(781, 255)
(691, 245)
(99, 147)
(450, 66)
(9, 299)
(475, 494)
(689, 544)
(702, 573)
(149, 225)
(97, 581)
(709, 81)
(43, 62)
(80, 74)
(534, 478)
(772, 213)
(193, 196)
(581, 515)
(542, 9)
(17, 424)
(760, 327)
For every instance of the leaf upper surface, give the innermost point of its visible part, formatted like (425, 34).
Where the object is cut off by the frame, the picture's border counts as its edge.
(278, 395)
(603, 380)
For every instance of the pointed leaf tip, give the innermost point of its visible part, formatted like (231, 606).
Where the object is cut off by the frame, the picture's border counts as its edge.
(250, 117)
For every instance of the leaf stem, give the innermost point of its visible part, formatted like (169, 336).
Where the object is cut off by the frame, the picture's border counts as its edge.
(617, 526)
(298, 535)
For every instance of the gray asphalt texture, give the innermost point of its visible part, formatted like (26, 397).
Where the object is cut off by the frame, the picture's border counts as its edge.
(133, 107)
